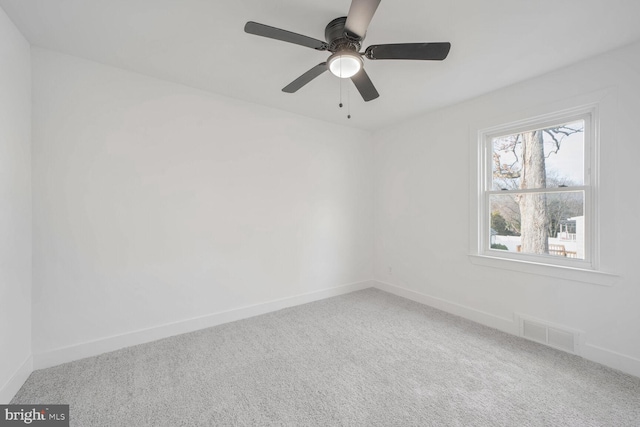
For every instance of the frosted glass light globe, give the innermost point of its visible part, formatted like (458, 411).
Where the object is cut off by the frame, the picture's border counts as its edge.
(345, 64)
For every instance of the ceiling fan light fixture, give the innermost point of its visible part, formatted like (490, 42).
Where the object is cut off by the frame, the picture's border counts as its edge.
(345, 64)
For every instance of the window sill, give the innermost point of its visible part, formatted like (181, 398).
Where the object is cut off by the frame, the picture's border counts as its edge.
(560, 272)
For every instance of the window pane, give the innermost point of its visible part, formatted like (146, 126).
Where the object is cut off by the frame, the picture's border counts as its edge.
(538, 223)
(541, 158)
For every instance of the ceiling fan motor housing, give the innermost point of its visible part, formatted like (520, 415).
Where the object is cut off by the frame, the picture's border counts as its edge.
(338, 40)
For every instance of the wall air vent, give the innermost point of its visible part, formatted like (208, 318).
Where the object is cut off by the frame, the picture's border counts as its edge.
(555, 336)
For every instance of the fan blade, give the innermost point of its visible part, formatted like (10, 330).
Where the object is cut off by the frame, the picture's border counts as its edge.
(365, 86)
(286, 36)
(305, 78)
(359, 17)
(424, 51)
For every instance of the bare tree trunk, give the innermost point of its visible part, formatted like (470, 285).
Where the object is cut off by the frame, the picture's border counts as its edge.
(533, 207)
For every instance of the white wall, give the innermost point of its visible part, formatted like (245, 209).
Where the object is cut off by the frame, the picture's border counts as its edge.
(157, 203)
(423, 202)
(15, 209)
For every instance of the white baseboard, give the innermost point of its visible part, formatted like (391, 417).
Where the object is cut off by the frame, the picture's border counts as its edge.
(610, 358)
(487, 319)
(105, 345)
(11, 387)
(47, 359)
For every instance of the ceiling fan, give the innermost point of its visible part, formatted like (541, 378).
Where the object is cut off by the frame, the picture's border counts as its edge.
(344, 37)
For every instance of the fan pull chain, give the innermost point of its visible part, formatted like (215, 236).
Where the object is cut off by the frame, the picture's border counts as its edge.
(348, 95)
(348, 102)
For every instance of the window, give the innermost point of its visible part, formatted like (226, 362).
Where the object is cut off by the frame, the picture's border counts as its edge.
(536, 198)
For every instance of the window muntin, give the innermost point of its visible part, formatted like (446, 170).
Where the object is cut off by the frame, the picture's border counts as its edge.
(536, 192)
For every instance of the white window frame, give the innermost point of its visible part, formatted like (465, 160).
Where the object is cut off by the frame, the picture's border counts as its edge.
(587, 270)
(486, 168)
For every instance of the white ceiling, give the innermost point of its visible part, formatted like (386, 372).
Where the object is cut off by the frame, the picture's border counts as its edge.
(201, 43)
